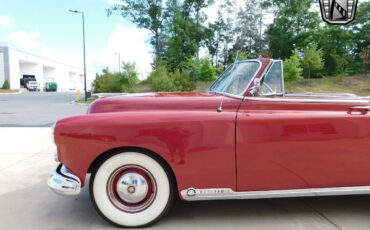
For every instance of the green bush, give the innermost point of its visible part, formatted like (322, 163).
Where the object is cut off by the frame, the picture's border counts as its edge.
(356, 67)
(183, 81)
(160, 80)
(129, 72)
(207, 71)
(117, 82)
(163, 81)
(6, 85)
(313, 62)
(202, 69)
(292, 69)
(108, 83)
(242, 56)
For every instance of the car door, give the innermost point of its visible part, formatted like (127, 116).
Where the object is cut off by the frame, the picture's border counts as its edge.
(299, 142)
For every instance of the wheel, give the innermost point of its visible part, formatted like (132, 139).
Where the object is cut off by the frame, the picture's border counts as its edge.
(131, 189)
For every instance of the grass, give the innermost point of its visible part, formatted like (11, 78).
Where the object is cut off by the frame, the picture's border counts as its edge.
(202, 86)
(9, 91)
(142, 87)
(358, 84)
(88, 101)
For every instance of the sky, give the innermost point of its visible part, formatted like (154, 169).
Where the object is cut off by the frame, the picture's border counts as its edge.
(48, 29)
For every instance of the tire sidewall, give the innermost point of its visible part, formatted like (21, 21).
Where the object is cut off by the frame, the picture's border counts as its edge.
(98, 190)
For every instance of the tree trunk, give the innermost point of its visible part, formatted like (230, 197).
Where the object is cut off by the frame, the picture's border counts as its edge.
(216, 54)
(157, 48)
(198, 35)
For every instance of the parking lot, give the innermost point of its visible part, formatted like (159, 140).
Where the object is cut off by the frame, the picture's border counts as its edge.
(37, 108)
(26, 159)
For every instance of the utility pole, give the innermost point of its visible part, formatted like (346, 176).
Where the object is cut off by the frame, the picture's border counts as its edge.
(84, 49)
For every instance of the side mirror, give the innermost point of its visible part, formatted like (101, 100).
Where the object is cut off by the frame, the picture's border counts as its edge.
(256, 86)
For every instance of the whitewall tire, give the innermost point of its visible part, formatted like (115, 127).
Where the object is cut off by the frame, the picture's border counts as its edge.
(131, 189)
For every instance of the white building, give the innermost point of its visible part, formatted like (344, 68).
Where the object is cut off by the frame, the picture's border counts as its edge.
(16, 64)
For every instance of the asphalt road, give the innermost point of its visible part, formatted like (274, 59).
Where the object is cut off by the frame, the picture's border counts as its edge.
(27, 203)
(35, 109)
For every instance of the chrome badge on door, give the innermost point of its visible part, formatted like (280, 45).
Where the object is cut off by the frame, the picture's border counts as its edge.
(338, 11)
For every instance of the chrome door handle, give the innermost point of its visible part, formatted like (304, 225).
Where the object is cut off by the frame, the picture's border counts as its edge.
(359, 110)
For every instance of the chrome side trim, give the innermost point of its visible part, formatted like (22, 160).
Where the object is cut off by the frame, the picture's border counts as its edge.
(309, 100)
(361, 107)
(63, 182)
(327, 95)
(192, 194)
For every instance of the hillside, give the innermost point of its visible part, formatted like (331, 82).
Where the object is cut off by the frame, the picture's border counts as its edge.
(359, 84)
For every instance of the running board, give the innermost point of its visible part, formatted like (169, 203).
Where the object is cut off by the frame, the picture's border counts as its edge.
(192, 194)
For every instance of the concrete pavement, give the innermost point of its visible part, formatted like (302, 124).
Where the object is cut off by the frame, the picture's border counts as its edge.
(27, 203)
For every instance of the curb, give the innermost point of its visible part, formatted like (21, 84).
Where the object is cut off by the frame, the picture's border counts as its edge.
(100, 95)
(19, 92)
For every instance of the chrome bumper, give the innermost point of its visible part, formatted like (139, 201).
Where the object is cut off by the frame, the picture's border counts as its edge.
(64, 182)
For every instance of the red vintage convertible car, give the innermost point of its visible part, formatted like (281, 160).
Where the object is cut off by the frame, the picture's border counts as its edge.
(244, 138)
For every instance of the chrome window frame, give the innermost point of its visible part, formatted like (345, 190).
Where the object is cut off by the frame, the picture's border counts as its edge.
(283, 98)
(282, 78)
(241, 96)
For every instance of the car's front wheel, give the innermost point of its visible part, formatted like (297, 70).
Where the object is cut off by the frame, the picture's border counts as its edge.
(131, 189)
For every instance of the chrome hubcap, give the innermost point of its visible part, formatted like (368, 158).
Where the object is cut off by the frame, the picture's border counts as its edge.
(132, 187)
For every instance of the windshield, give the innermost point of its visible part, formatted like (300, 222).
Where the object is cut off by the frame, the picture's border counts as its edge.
(236, 78)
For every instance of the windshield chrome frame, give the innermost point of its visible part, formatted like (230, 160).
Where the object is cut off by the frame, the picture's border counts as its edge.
(282, 78)
(241, 96)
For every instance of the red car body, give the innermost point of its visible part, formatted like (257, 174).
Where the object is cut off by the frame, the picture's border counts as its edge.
(256, 143)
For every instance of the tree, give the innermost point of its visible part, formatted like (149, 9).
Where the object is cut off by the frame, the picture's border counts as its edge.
(361, 31)
(180, 29)
(336, 43)
(292, 67)
(220, 34)
(293, 26)
(248, 28)
(365, 58)
(181, 43)
(148, 14)
(6, 85)
(312, 62)
(129, 72)
(215, 35)
(194, 8)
